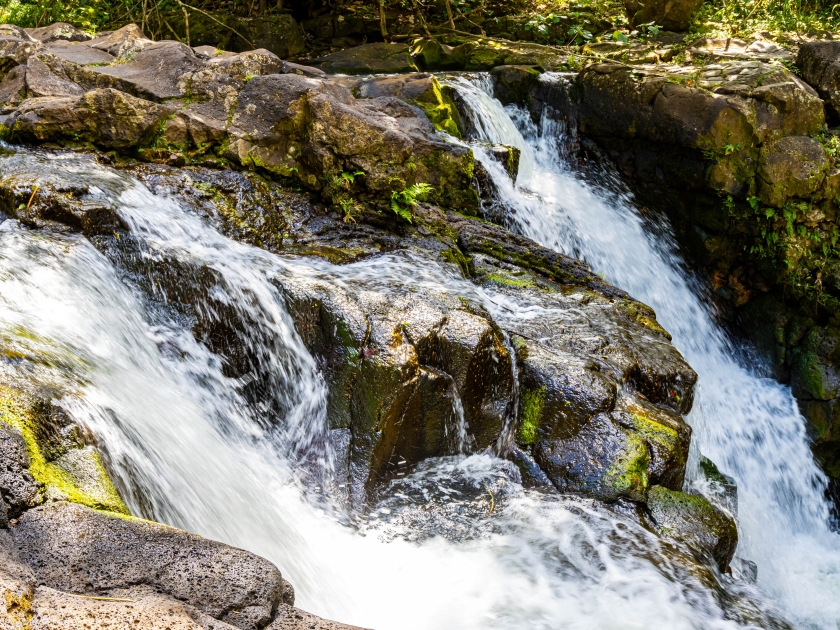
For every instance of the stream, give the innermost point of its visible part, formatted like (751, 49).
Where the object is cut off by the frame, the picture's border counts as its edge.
(187, 447)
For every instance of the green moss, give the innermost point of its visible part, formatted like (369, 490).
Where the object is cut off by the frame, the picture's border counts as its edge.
(627, 475)
(456, 256)
(657, 433)
(533, 401)
(17, 412)
(507, 280)
(441, 110)
(642, 314)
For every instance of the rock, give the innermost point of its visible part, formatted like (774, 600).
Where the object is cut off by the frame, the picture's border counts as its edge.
(42, 76)
(819, 63)
(279, 34)
(692, 519)
(289, 618)
(60, 31)
(11, 31)
(104, 117)
(512, 84)
(741, 107)
(15, 52)
(122, 43)
(733, 48)
(76, 549)
(17, 585)
(368, 59)
(722, 489)
(601, 459)
(794, 166)
(79, 53)
(157, 72)
(19, 489)
(672, 16)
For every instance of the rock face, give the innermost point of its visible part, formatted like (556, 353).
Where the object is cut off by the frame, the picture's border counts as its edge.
(161, 101)
(737, 154)
(368, 58)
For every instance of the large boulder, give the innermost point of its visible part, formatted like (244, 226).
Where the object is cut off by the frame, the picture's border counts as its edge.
(794, 166)
(819, 63)
(75, 549)
(60, 31)
(672, 15)
(368, 59)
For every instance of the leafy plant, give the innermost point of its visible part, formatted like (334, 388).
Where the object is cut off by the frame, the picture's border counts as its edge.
(403, 201)
(578, 31)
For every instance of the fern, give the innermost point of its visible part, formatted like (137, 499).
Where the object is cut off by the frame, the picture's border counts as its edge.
(402, 202)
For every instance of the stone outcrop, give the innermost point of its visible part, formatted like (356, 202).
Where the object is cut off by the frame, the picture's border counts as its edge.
(161, 101)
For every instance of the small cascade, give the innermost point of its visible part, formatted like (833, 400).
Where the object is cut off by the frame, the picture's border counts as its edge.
(748, 425)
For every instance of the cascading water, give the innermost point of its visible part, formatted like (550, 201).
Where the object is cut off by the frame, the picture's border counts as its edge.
(189, 446)
(748, 425)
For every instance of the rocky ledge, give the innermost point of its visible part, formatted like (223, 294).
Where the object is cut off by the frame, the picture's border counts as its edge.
(588, 399)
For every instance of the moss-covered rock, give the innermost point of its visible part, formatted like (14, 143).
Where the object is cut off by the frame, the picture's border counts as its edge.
(368, 59)
(695, 521)
(61, 466)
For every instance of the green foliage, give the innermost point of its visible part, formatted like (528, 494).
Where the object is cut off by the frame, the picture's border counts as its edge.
(577, 31)
(402, 202)
(725, 18)
(339, 187)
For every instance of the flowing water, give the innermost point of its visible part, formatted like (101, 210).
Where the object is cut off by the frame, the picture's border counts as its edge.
(188, 446)
(748, 425)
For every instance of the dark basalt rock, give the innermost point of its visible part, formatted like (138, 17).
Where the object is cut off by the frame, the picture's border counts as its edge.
(692, 519)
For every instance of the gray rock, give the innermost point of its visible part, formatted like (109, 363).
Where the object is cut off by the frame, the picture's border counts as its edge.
(157, 72)
(123, 42)
(794, 166)
(60, 31)
(20, 490)
(79, 52)
(289, 618)
(76, 549)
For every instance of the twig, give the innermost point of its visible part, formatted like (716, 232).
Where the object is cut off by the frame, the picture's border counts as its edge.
(383, 25)
(186, 21)
(449, 14)
(492, 500)
(32, 196)
(103, 599)
(220, 23)
(421, 18)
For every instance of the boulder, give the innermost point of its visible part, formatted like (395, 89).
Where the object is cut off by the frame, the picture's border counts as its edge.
(512, 84)
(106, 118)
(123, 42)
(75, 549)
(157, 72)
(79, 53)
(368, 59)
(60, 31)
(290, 618)
(42, 76)
(819, 64)
(279, 34)
(706, 529)
(793, 166)
(19, 489)
(672, 15)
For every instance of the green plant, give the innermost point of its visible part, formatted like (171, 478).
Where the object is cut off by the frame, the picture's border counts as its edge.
(578, 31)
(403, 201)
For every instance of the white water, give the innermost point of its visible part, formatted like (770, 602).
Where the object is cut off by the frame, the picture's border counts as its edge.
(182, 438)
(749, 426)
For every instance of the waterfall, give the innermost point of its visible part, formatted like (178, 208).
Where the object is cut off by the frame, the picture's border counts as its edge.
(457, 543)
(750, 426)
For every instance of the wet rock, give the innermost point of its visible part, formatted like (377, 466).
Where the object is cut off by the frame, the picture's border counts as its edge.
(794, 166)
(819, 63)
(722, 489)
(368, 59)
(60, 31)
(673, 16)
(601, 459)
(76, 549)
(512, 84)
(692, 519)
